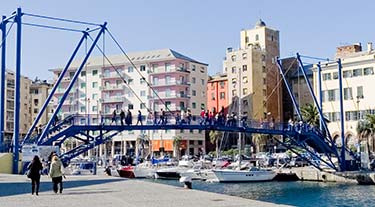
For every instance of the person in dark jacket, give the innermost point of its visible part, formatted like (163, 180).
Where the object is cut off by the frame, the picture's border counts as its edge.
(35, 167)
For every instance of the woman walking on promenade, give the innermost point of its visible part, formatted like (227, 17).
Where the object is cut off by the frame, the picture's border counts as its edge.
(56, 174)
(35, 167)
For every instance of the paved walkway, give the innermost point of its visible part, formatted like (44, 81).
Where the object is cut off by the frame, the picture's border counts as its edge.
(103, 191)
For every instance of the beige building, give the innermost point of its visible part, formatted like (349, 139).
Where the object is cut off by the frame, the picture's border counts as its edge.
(39, 91)
(358, 83)
(25, 109)
(253, 66)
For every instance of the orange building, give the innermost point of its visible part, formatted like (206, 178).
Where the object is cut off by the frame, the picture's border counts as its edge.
(217, 93)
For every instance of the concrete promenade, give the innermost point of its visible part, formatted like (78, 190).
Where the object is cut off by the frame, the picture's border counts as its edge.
(103, 191)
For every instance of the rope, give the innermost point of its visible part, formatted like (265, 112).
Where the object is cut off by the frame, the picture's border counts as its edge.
(119, 74)
(143, 78)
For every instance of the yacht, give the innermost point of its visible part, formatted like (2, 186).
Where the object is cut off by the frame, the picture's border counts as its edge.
(251, 174)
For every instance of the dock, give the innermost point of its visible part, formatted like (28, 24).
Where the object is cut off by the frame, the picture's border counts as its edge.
(100, 190)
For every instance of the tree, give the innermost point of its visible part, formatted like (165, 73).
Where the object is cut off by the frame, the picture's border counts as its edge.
(366, 130)
(176, 145)
(215, 137)
(310, 114)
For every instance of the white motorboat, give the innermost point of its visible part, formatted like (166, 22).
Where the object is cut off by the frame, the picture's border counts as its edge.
(252, 174)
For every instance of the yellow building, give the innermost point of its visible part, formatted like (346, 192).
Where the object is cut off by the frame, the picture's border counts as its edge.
(253, 66)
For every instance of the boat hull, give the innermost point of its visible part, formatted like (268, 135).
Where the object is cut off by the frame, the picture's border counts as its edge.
(244, 176)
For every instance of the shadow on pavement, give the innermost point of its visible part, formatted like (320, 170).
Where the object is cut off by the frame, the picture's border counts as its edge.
(10, 189)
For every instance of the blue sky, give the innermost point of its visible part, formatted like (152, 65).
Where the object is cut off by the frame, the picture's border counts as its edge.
(196, 28)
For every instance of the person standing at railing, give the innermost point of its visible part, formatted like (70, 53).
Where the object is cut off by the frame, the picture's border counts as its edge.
(202, 114)
(178, 118)
(122, 117)
(149, 118)
(129, 118)
(139, 118)
(114, 117)
(155, 118)
(189, 117)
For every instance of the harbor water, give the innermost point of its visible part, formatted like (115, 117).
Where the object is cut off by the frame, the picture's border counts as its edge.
(299, 193)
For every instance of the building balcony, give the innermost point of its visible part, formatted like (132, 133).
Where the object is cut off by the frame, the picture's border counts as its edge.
(169, 96)
(169, 70)
(112, 87)
(172, 83)
(112, 75)
(114, 100)
(172, 107)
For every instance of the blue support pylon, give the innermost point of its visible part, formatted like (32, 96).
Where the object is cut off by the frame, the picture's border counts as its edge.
(3, 28)
(343, 159)
(16, 131)
(57, 109)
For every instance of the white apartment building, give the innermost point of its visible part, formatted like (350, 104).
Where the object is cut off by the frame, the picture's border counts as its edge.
(100, 90)
(358, 83)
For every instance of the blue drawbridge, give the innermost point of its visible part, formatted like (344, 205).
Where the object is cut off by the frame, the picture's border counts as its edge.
(317, 142)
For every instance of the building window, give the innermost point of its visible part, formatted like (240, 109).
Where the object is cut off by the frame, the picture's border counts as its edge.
(143, 68)
(222, 95)
(194, 105)
(368, 71)
(194, 92)
(95, 108)
(94, 84)
(130, 69)
(360, 92)
(130, 106)
(234, 92)
(234, 70)
(202, 106)
(256, 37)
(327, 76)
(264, 81)
(246, 39)
(193, 80)
(142, 106)
(83, 73)
(348, 94)
(143, 93)
(193, 67)
(36, 102)
(94, 72)
(202, 81)
(331, 95)
(83, 109)
(244, 68)
(35, 111)
(233, 58)
(94, 96)
(244, 91)
(130, 81)
(234, 81)
(347, 74)
(335, 75)
(264, 70)
(357, 72)
(142, 81)
(83, 85)
(244, 79)
(244, 56)
(212, 96)
(222, 84)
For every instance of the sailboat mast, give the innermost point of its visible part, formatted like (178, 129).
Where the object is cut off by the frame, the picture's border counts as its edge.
(239, 118)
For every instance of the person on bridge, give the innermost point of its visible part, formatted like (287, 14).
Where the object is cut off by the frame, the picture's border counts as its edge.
(139, 118)
(155, 118)
(162, 120)
(114, 117)
(189, 117)
(56, 174)
(129, 118)
(178, 118)
(122, 117)
(35, 167)
(202, 115)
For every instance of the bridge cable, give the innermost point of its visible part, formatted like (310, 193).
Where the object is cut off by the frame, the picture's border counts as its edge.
(143, 78)
(118, 73)
(6, 35)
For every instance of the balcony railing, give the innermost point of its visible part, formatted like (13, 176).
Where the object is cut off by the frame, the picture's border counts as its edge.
(169, 70)
(113, 74)
(172, 83)
(112, 87)
(114, 100)
(169, 96)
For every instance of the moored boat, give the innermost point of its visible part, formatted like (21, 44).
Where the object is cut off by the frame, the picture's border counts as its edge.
(249, 175)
